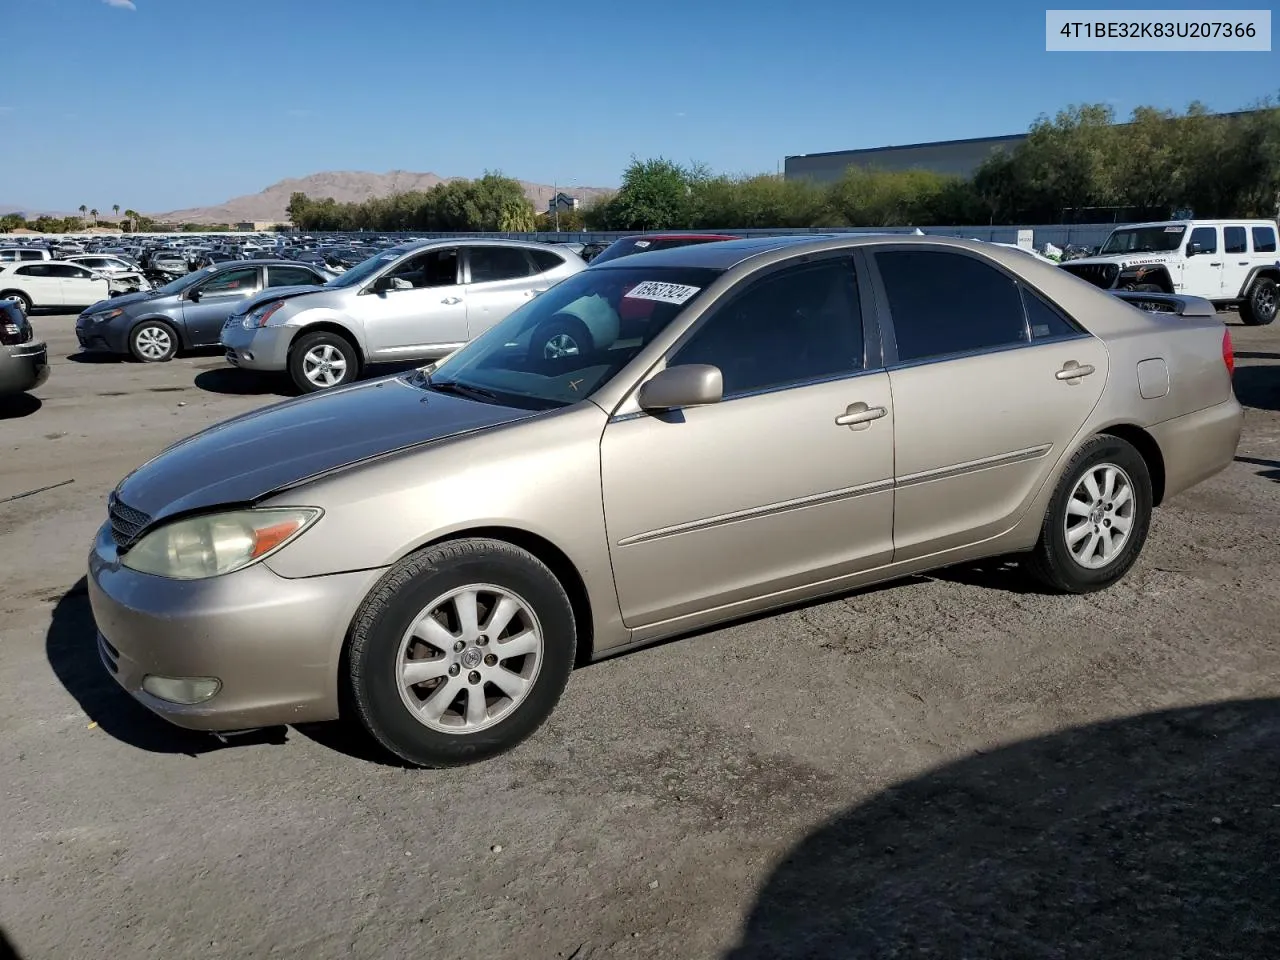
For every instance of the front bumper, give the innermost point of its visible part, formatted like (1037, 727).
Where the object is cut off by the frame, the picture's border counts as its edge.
(99, 337)
(262, 348)
(23, 367)
(273, 643)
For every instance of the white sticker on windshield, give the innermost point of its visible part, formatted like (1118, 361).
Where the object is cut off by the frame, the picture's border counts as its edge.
(642, 244)
(390, 256)
(1173, 229)
(665, 292)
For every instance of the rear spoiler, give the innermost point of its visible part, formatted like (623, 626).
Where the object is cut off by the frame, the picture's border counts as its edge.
(1168, 303)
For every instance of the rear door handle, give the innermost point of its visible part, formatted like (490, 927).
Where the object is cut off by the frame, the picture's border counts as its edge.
(1074, 371)
(859, 415)
(1242, 263)
(451, 300)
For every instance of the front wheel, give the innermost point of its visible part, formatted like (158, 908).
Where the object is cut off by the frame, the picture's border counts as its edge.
(153, 342)
(321, 361)
(1259, 308)
(461, 652)
(562, 337)
(1098, 519)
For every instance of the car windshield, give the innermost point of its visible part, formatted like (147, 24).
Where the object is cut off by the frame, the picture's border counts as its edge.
(565, 344)
(365, 269)
(1144, 240)
(629, 245)
(177, 286)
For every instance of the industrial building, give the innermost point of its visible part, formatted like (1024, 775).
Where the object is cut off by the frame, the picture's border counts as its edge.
(959, 157)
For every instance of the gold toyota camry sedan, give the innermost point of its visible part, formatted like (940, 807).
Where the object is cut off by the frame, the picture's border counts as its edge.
(671, 440)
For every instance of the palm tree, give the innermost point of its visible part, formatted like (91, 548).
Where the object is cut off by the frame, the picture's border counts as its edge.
(94, 213)
(115, 209)
(132, 216)
(83, 210)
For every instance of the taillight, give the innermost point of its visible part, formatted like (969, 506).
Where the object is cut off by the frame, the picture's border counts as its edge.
(10, 333)
(1228, 353)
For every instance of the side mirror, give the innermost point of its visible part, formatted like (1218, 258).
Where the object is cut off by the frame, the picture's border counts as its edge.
(1193, 249)
(684, 385)
(194, 295)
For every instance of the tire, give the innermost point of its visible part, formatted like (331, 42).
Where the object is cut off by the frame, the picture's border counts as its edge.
(1258, 309)
(561, 337)
(400, 716)
(322, 361)
(20, 298)
(153, 341)
(1053, 561)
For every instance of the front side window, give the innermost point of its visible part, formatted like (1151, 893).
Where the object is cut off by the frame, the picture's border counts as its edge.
(944, 303)
(1234, 240)
(233, 281)
(437, 267)
(568, 342)
(799, 325)
(1203, 238)
(499, 263)
(35, 270)
(1264, 239)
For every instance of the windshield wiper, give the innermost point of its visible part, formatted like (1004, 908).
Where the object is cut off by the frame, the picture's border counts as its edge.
(462, 389)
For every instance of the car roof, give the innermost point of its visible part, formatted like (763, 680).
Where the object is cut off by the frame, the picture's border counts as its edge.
(467, 241)
(681, 236)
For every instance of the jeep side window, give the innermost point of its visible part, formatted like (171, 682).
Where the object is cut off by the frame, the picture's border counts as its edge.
(1206, 237)
(1264, 239)
(1233, 240)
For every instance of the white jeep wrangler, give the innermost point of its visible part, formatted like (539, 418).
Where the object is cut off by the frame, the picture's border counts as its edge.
(1225, 261)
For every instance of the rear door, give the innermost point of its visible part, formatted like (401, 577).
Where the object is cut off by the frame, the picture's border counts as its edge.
(219, 296)
(1236, 261)
(499, 279)
(984, 402)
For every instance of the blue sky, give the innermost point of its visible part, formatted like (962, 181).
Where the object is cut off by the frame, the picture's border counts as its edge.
(178, 103)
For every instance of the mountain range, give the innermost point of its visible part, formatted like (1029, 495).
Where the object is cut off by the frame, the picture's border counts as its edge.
(342, 185)
(346, 186)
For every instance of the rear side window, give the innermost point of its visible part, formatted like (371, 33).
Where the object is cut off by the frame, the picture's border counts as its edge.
(499, 263)
(1206, 237)
(1043, 320)
(945, 303)
(1234, 240)
(290, 277)
(1264, 239)
(545, 260)
(30, 255)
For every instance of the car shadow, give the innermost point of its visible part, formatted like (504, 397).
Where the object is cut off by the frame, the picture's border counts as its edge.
(83, 357)
(19, 405)
(1258, 386)
(1008, 574)
(229, 381)
(1150, 836)
(7, 950)
(1254, 355)
(71, 646)
(1271, 474)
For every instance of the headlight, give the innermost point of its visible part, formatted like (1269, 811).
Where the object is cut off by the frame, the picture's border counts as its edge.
(218, 543)
(109, 315)
(259, 317)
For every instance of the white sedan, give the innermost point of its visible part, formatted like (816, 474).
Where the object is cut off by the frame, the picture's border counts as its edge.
(52, 283)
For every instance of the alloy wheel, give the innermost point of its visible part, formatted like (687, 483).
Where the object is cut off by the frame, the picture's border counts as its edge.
(1100, 516)
(324, 365)
(154, 343)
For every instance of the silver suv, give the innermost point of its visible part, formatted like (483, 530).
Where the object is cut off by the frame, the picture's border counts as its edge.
(418, 301)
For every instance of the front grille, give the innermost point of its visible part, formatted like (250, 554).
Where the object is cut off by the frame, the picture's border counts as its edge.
(109, 654)
(1099, 274)
(126, 522)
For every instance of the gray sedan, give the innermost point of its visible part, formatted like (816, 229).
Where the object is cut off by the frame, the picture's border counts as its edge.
(24, 360)
(418, 301)
(187, 313)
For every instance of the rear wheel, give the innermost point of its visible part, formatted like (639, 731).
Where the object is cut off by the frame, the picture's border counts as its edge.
(1098, 519)
(561, 337)
(153, 341)
(18, 297)
(1259, 307)
(321, 361)
(461, 652)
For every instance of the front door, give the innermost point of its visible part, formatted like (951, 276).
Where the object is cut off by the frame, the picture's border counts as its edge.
(1202, 272)
(81, 287)
(219, 296)
(765, 490)
(424, 312)
(984, 400)
(500, 279)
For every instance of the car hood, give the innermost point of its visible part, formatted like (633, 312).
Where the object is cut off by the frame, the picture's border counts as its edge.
(271, 296)
(1124, 260)
(125, 300)
(244, 459)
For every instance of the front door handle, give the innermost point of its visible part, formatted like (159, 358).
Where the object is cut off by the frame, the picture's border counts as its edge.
(451, 300)
(1074, 371)
(859, 415)
(1215, 263)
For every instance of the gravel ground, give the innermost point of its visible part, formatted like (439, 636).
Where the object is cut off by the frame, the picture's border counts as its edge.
(950, 765)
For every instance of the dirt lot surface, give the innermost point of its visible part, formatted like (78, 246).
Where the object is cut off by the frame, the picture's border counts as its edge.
(948, 766)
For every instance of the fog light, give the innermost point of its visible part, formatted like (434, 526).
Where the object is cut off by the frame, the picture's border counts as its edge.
(181, 689)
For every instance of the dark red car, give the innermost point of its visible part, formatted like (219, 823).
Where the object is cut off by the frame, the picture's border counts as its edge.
(644, 242)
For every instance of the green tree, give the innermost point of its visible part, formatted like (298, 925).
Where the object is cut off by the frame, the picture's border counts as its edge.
(94, 213)
(12, 221)
(115, 210)
(655, 195)
(83, 210)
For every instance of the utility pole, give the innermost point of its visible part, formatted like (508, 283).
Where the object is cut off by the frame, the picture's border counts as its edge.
(555, 202)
